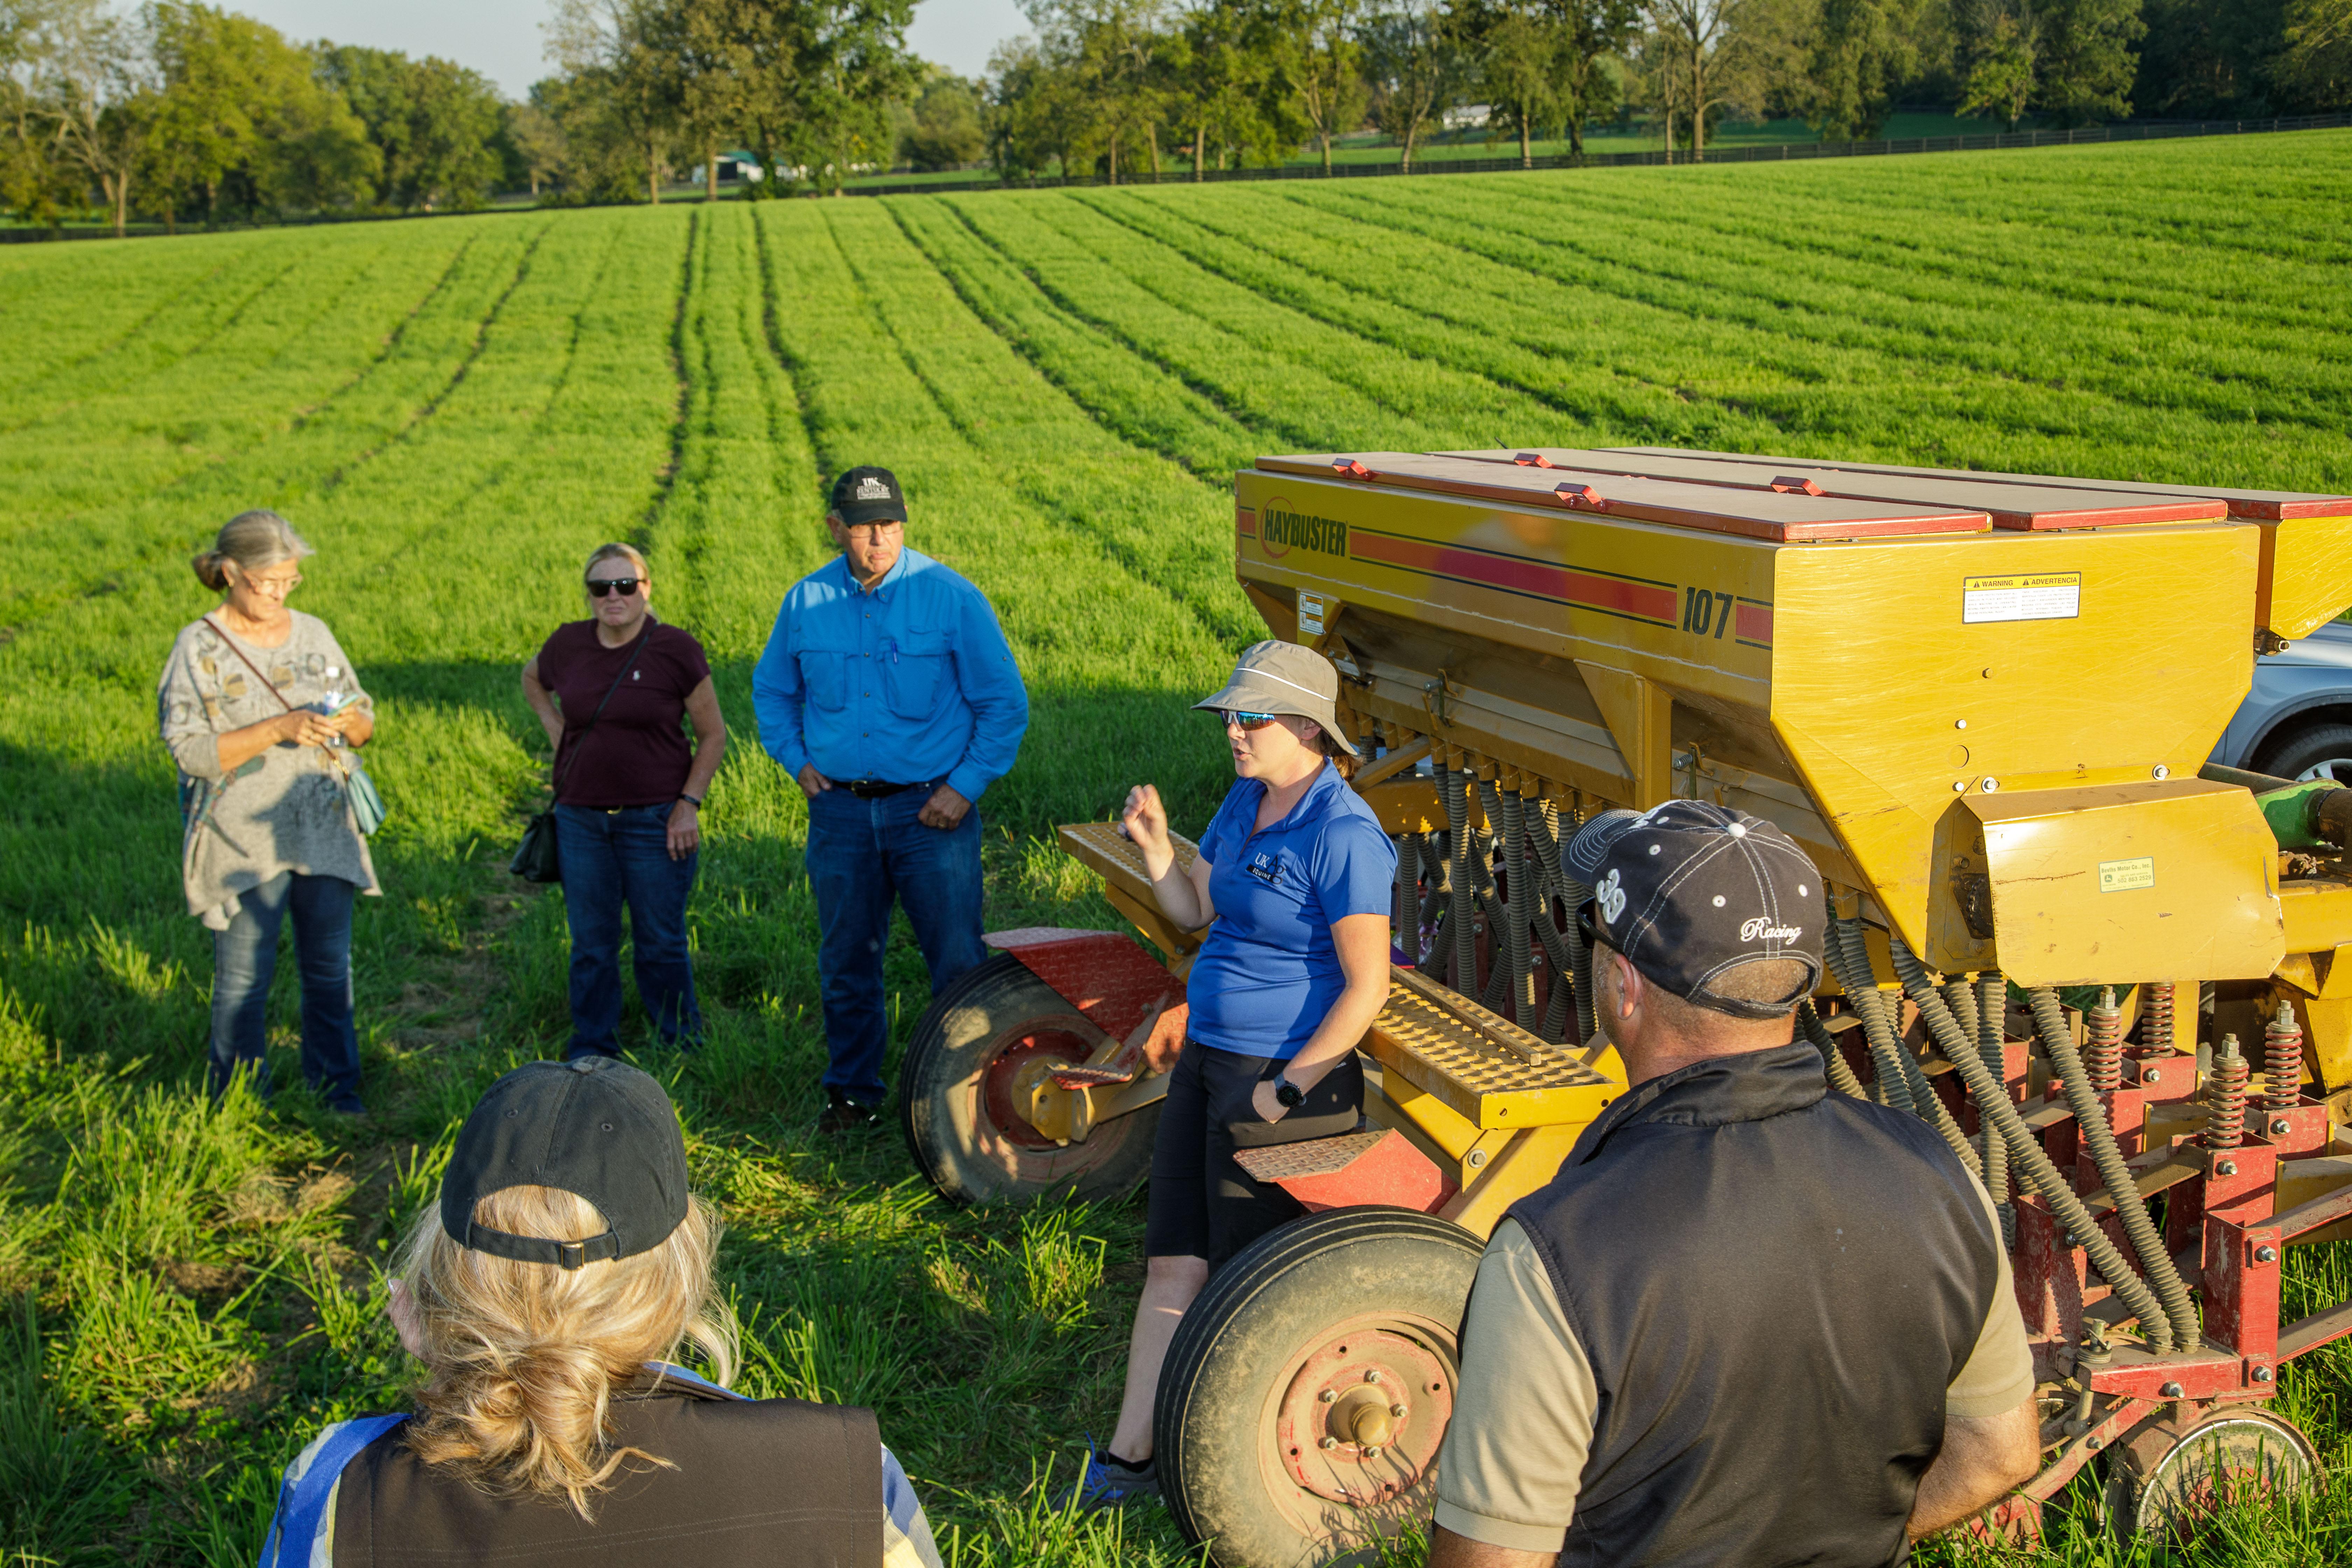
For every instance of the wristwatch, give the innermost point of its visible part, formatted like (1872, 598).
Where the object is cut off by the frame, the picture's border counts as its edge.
(690, 800)
(1286, 1094)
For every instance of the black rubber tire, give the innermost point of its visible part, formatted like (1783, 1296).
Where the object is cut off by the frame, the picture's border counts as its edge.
(2324, 746)
(948, 1131)
(1239, 1346)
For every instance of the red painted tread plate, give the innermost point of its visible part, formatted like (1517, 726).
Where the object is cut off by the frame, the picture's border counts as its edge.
(2058, 503)
(2251, 505)
(1715, 509)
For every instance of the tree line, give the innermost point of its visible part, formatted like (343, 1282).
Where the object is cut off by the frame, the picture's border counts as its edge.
(184, 112)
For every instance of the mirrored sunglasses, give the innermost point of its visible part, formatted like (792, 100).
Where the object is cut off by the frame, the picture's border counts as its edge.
(624, 586)
(1247, 720)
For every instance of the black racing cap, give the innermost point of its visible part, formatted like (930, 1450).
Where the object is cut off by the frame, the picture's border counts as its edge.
(597, 1128)
(1689, 891)
(869, 495)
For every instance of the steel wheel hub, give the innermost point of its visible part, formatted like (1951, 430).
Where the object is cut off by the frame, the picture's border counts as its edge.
(1363, 1415)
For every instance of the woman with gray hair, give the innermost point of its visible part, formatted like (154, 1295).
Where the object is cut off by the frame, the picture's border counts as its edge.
(254, 704)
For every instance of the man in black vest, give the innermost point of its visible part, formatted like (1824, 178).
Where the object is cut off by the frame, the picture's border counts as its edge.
(1749, 1322)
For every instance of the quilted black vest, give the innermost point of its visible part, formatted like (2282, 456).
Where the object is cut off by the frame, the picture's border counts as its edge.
(1774, 1284)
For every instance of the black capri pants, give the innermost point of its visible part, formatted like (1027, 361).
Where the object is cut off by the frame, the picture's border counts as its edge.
(1202, 1203)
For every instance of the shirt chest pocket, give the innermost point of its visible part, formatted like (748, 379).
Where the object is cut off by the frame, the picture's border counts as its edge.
(913, 666)
(825, 677)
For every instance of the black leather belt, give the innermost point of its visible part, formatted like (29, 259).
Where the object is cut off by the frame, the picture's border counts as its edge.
(874, 789)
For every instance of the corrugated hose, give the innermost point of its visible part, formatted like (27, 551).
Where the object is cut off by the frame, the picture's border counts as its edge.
(1887, 1051)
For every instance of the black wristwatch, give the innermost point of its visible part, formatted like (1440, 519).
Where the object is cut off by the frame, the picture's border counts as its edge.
(1286, 1094)
(690, 800)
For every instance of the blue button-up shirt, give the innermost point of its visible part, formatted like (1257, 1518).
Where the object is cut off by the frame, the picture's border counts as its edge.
(910, 682)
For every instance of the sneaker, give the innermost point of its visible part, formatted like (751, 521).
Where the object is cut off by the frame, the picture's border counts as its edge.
(1105, 1483)
(843, 1114)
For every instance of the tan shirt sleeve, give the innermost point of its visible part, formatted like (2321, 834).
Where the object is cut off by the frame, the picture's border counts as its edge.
(1999, 1376)
(1514, 1454)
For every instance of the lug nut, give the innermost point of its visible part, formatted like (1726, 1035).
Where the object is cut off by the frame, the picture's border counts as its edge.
(1325, 1397)
(2266, 1254)
(1329, 1444)
(2170, 1391)
(1371, 1375)
(1397, 1411)
(2262, 1374)
(1373, 1451)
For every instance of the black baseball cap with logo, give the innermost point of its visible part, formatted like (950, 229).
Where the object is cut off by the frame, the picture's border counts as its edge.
(869, 495)
(1689, 891)
(597, 1128)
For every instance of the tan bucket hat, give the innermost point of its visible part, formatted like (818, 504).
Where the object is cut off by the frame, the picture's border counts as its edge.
(1283, 677)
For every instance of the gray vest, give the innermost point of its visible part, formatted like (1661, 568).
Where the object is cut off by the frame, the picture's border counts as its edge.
(770, 1483)
(1775, 1285)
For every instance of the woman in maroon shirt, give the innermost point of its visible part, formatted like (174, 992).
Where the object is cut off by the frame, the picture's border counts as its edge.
(611, 691)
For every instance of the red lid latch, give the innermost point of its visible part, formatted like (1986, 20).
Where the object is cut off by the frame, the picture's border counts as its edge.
(1532, 460)
(1350, 467)
(1786, 486)
(1580, 495)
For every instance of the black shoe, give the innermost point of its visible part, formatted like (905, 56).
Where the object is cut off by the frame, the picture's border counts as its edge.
(843, 1114)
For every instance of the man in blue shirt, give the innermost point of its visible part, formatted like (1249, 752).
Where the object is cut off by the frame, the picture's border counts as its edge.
(888, 692)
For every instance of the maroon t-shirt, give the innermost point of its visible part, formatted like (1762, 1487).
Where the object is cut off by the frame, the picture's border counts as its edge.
(637, 754)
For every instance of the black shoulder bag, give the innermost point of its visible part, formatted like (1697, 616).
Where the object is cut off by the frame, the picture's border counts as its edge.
(538, 858)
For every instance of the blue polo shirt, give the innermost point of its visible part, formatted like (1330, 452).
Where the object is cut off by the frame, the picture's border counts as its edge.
(1268, 971)
(906, 684)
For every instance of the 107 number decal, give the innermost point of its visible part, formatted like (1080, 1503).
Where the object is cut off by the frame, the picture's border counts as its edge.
(1704, 611)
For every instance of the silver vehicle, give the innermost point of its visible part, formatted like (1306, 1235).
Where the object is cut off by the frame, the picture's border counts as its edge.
(2296, 722)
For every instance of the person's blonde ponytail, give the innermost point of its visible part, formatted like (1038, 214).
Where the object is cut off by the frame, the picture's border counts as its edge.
(523, 1358)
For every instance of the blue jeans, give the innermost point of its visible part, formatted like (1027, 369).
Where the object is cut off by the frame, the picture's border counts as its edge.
(861, 855)
(245, 962)
(612, 858)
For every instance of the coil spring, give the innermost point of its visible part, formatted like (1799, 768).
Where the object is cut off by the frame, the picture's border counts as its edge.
(2155, 1016)
(2225, 1098)
(2103, 1043)
(2282, 1061)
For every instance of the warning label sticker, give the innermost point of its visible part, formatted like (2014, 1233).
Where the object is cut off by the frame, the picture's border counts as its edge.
(1311, 615)
(2029, 596)
(2122, 875)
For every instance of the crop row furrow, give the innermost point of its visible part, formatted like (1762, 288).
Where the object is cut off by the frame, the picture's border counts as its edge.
(115, 546)
(1573, 395)
(1672, 273)
(49, 343)
(1161, 524)
(1143, 403)
(2011, 418)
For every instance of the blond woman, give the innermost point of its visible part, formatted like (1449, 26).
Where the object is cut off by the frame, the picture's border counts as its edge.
(565, 1267)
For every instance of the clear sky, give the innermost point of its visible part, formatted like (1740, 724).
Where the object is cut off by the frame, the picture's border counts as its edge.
(501, 39)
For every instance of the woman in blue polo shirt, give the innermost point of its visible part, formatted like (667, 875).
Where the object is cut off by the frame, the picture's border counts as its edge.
(1297, 873)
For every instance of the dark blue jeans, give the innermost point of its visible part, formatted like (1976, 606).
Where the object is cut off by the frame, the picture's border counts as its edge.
(861, 855)
(245, 962)
(612, 858)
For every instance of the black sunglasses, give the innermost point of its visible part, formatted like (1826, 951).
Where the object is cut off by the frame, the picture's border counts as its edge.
(624, 586)
(1584, 926)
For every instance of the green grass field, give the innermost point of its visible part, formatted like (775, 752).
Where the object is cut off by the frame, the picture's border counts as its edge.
(455, 411)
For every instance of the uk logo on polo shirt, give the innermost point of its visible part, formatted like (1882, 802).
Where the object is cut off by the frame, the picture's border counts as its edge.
(1263, 866)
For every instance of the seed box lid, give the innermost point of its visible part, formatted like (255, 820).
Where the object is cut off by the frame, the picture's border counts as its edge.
(1753, 513)
(2247, 505)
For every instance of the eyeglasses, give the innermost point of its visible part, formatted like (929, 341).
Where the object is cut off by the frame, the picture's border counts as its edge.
(624, 586)
(277, 587)
(1245, 721)
(1584, 926)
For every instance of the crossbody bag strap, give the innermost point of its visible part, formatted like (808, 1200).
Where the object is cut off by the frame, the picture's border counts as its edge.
(303, 1504)
(643, 637)
(249, 664)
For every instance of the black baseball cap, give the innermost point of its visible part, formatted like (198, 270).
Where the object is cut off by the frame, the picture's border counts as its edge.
(1689, 891)
(597, 1128)
(869, 495)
